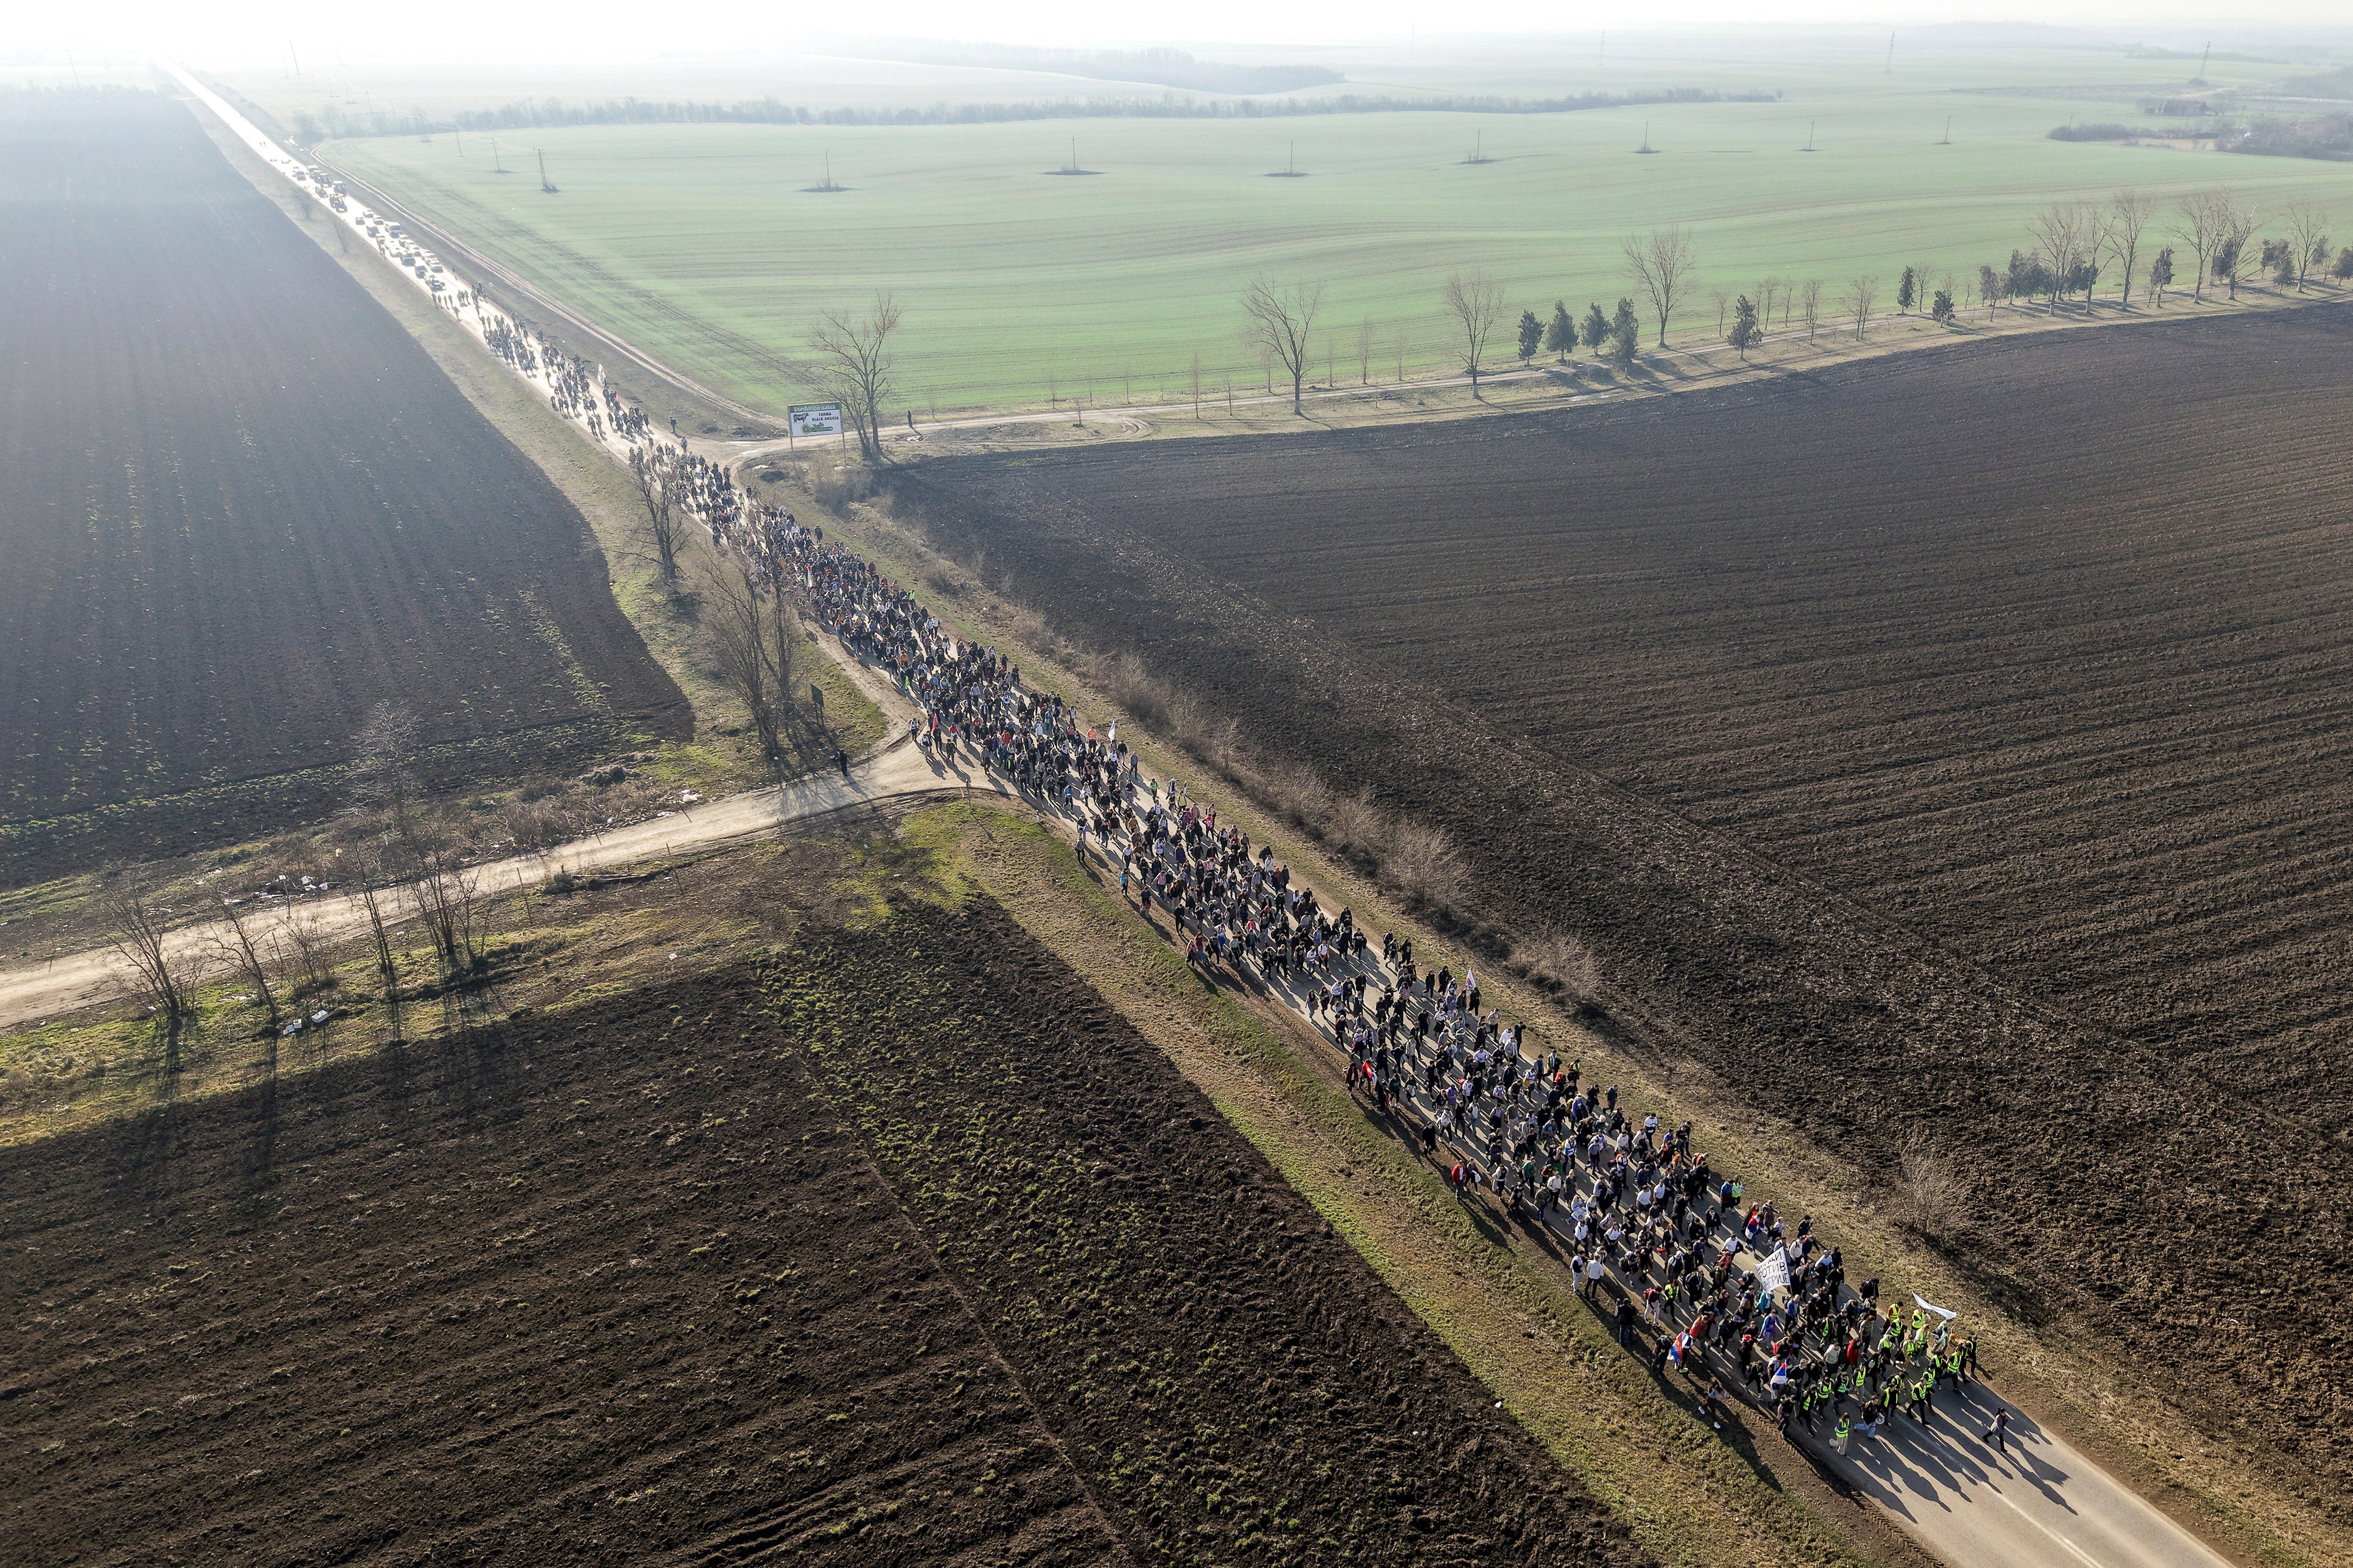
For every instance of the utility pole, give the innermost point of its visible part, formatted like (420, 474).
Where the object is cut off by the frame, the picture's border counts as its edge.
(545, 187)
(1891, 54)
(1948, 132)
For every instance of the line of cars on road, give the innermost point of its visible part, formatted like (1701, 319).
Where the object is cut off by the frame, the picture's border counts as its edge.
(389, 236)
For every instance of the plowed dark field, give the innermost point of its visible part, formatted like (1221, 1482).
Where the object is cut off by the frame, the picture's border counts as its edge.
(239, 506)
(902, 1249)
(1952, 745)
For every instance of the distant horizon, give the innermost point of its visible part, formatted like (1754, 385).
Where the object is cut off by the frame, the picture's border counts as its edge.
(533, 33)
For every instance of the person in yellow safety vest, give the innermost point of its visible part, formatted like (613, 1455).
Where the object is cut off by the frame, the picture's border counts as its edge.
(1838, 1438)
(1924, 1396)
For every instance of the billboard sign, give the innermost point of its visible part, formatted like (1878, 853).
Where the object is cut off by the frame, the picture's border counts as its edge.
(815, 418)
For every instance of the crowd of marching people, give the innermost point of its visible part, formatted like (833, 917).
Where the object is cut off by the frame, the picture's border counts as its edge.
(1637, 1203)
(574, 388)
(1699, 1277)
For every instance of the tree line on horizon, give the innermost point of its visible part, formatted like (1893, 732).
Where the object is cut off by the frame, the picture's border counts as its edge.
(2070, 244)
(333, 121)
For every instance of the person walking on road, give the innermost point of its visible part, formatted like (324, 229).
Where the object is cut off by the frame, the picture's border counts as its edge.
(1999, 1433)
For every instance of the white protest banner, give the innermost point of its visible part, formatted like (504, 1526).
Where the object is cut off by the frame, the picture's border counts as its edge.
(1773, 1273)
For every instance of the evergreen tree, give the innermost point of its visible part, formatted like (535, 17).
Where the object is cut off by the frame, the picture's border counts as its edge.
(1596, 331)
(2229, 256)
(1941, 312)
(2160, 272)
(1745, 330)
(1561, 335)
(1531, 336)
(2018, 282)
(1625, 334)
(1905, 292)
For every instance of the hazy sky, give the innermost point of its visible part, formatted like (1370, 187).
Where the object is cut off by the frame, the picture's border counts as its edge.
(552, 29)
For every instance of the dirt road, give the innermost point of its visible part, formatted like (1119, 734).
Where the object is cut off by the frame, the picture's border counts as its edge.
(99, 975)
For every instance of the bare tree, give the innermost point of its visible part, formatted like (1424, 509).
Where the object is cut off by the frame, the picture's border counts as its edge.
(734, 634)
(447, 896)
(2058, 231)
(1809, 304)
(1281, 317)
(2092, 244)
(854, 365)
(2238, 224)
(376, 893)
(1661, 264)
(137, 929)
(1478, 307)
(2205, 215)
(2129, 214)
(385, 754)
(661, 537)
(1861, 295)
(310, 950)
(754, 639)
(243, 953)
(2307, 231)
(1365, 351)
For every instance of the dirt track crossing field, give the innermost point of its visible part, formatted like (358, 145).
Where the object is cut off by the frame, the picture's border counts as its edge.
(1951, 745)
(242, 507)
(902, 1248)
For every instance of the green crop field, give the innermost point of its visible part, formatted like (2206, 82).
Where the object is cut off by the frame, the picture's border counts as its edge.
(701, 243)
